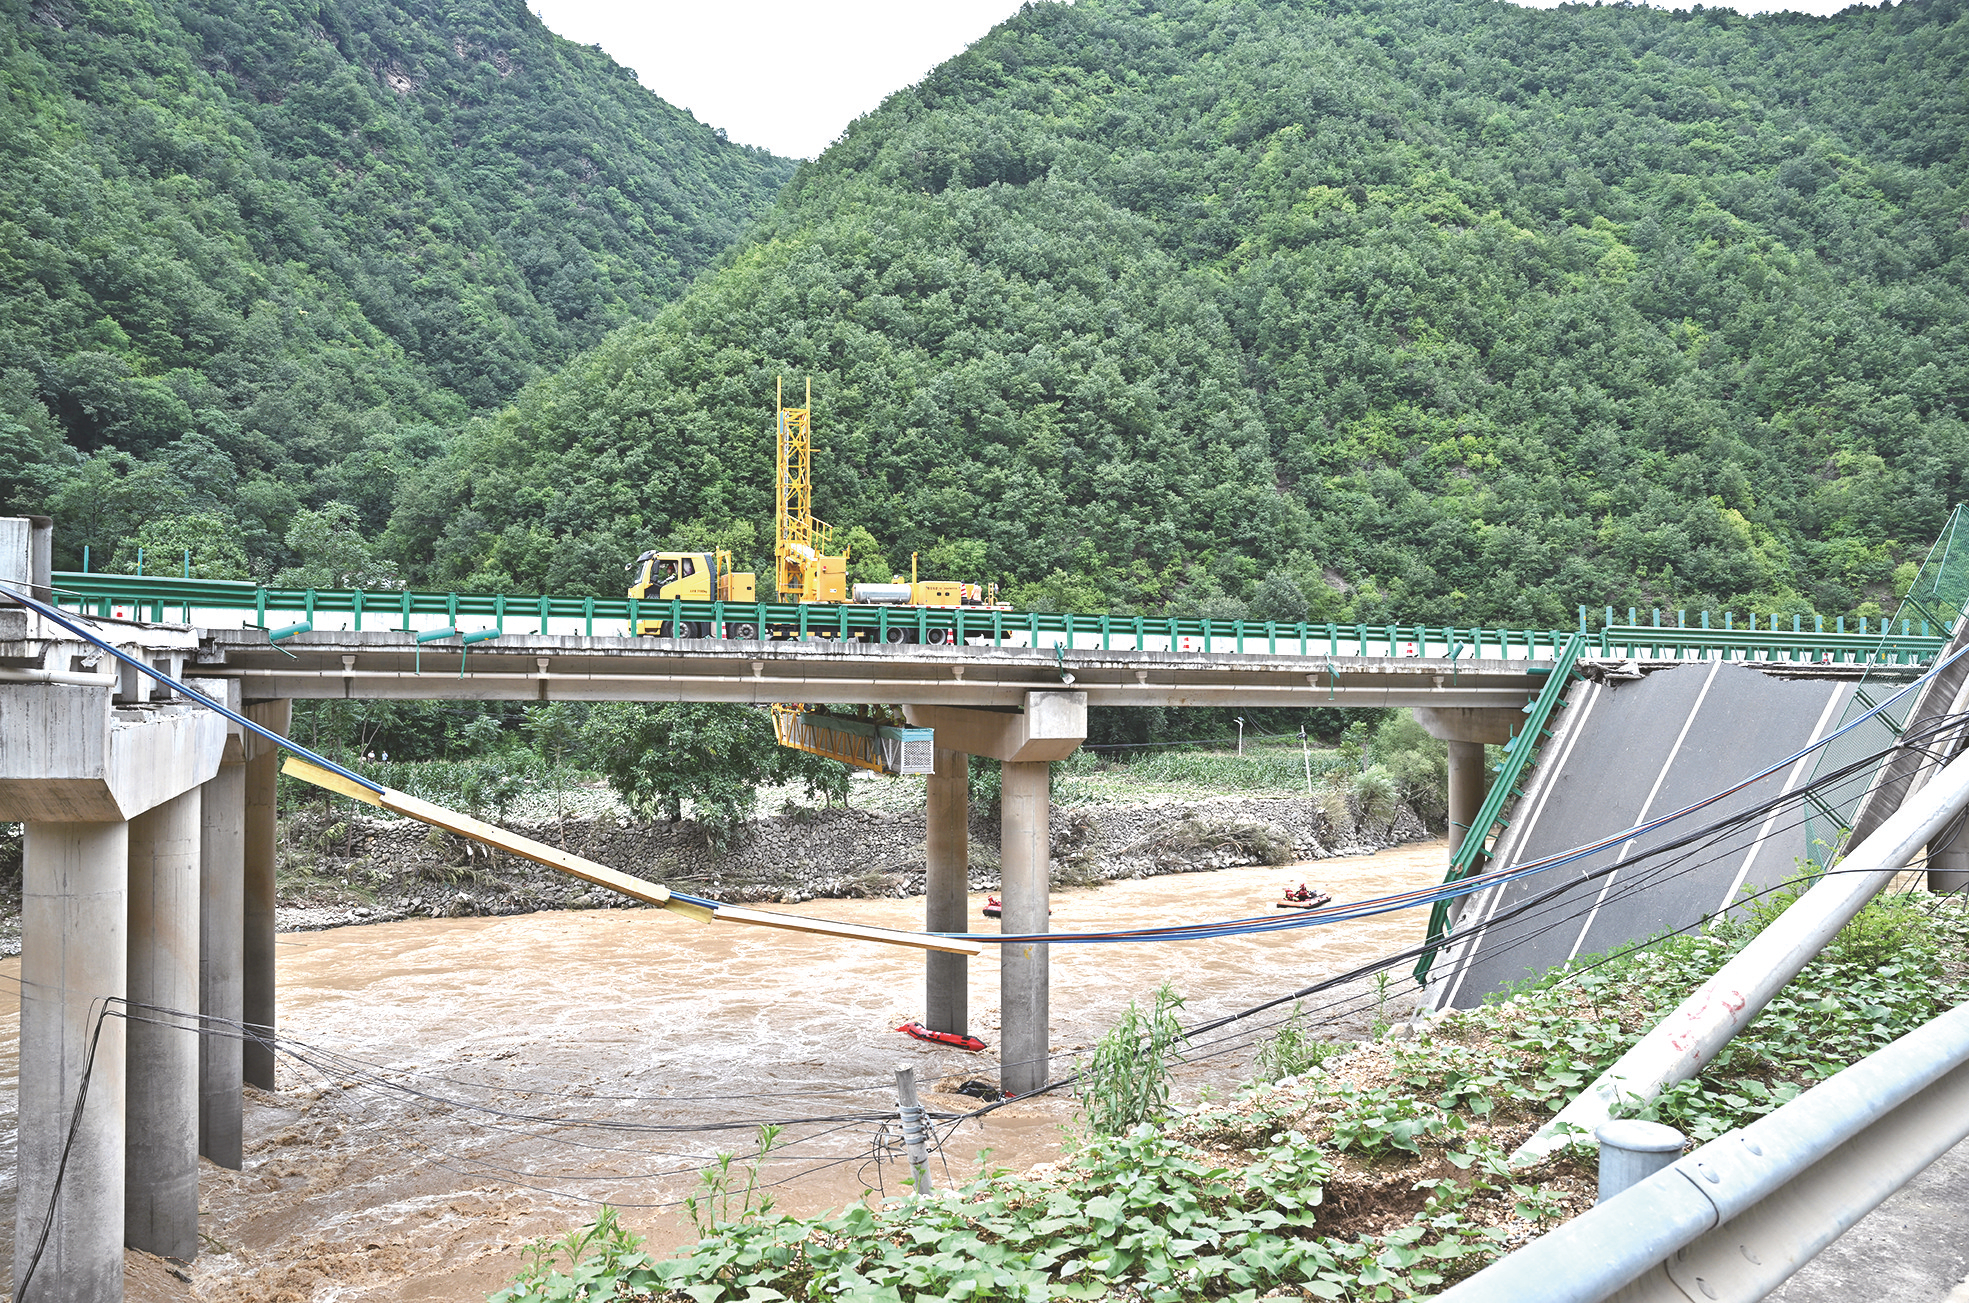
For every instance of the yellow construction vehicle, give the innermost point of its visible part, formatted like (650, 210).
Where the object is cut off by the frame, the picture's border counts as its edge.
(694, 577)
(806, 569)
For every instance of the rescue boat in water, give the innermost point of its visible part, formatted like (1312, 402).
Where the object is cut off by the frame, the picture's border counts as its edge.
(1304, 897)
(993, 909)
(950, 1039)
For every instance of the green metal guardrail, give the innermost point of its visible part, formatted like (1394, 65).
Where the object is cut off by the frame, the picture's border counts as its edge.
(1518, 753)
(102, 594)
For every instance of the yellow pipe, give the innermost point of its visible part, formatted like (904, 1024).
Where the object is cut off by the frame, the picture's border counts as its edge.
(601, 875)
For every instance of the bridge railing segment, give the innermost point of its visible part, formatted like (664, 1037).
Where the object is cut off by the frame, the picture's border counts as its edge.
(226, 603)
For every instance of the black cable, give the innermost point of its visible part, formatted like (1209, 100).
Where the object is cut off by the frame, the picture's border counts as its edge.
(68, 1145)
(1715, 829)
(1722, 826)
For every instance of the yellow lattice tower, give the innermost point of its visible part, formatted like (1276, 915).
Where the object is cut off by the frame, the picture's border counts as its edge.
(798, 539)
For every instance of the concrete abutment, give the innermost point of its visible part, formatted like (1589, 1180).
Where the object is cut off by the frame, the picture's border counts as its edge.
(106, 772)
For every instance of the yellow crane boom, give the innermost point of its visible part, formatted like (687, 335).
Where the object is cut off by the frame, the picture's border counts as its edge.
(805, 570)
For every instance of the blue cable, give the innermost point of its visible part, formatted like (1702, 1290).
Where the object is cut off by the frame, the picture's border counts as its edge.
(191, 694)
(1450, 890)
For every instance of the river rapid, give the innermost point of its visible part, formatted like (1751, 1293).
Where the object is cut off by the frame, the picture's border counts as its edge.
(460, 1087)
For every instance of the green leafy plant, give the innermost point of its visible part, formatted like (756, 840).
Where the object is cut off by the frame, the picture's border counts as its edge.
(1293, 1049)
(1126, 1081)
(1375, 1121)
(727, 1198)
(596, 1262)
(1236, 1199)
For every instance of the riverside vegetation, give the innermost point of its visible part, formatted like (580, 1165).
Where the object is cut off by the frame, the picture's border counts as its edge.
(1371, 1171)
(1443, 310)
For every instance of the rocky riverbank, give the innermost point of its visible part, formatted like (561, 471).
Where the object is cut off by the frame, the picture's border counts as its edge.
(338, 867)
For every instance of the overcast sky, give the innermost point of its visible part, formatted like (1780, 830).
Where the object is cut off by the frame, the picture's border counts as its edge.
(792, 74)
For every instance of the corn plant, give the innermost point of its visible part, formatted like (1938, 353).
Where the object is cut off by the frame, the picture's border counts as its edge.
(1127, 1080)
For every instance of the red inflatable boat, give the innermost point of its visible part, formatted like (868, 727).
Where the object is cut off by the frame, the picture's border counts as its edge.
(951, 1039)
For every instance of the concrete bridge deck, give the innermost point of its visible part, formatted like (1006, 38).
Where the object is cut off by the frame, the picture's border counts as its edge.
(557, 667)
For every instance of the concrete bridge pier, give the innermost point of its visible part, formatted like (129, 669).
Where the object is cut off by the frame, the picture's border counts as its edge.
(257, 903)
(105, 774)
(1026, 742)
(1467, 730)
(74, 918)
(947, 863)
(160, 1195)
(1469, 784)
(1024, 976)
(221, 942)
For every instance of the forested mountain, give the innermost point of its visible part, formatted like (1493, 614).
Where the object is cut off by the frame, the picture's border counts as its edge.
(278, 251)
(1422, 309)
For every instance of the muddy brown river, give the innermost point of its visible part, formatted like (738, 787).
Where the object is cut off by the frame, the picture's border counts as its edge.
(459, 1087)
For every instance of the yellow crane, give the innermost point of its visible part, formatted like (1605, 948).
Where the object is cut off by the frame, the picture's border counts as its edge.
(806, 569)
(806, 572)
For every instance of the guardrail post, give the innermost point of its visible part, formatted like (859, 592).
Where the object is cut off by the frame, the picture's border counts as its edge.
(1631, 1151)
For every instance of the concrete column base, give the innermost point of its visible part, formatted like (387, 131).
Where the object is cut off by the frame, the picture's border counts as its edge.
(221, 939)
(946, 851)
(74, 923)
(1025, 852)
(160, 1198)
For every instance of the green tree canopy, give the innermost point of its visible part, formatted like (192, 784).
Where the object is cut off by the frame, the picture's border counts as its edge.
(1432, 309)
(712, 755)
(318, 234)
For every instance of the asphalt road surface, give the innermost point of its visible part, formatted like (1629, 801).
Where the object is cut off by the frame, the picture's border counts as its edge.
(1625, 752)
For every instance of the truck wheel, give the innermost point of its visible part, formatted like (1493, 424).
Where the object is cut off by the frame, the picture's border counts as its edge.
(745, 632)
(900, 635)
(942, 637)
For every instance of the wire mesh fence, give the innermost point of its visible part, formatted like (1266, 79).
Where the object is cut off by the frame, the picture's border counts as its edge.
(1937, 598)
